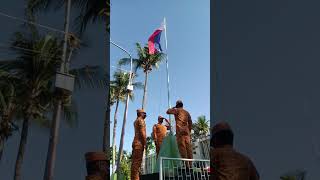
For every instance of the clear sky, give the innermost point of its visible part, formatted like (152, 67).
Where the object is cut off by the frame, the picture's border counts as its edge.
(188, 33)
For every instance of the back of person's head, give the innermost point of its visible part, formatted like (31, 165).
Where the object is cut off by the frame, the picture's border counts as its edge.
(222, 135)
(179, 104)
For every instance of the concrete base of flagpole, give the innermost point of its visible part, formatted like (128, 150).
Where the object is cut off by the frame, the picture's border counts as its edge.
(97, 166)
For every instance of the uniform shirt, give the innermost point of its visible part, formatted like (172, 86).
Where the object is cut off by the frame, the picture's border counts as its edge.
(228, 164)
(159, 132)
(183, 120)
(139, 133)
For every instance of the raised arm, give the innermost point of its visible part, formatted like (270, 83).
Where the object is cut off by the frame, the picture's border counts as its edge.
(172, 111)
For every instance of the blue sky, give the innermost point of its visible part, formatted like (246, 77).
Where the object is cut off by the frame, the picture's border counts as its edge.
(188, 33)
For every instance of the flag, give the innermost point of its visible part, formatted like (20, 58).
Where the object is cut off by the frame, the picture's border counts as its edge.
(154, 40)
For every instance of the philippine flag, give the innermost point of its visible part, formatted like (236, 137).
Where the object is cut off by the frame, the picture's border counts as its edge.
(154, 40)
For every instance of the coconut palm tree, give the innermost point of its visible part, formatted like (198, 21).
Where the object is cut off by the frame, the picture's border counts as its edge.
(201, 127)
(8, 106)
(145, 61)
(118, 87)
(91, 11)
(35, 68)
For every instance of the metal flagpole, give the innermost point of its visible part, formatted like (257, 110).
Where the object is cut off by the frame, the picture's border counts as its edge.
(168, 79)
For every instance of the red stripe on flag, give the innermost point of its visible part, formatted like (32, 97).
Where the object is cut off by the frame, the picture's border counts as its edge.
(151, 41)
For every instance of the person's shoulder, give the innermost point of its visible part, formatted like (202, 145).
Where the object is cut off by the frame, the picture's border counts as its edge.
(186, 112)
(244, 157)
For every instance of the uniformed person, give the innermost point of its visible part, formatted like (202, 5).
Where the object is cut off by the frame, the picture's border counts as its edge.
(139, 143)
(227, 163)
(159, 132)
(183, 129)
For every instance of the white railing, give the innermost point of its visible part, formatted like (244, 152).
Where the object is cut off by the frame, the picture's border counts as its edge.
(184, 169)
(201, 150)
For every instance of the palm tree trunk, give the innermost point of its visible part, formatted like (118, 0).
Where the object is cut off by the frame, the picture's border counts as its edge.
(22, 146)
(144, 99)
(51, 156)
(106, 128)
(120, 153)
(115, 121)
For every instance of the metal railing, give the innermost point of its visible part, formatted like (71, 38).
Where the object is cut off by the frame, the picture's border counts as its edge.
(183, 169)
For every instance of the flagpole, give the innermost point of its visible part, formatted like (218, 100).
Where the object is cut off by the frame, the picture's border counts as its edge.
(168, 79)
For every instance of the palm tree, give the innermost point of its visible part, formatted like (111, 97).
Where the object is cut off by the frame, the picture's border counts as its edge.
(35, 69)
(118, 89)
(90, 11)
(8, 107)
(201, 127)
(146, 62)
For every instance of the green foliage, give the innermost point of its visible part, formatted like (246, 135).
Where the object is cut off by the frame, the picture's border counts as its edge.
(90, 11)
(294, 175)
(288, 178)
(118, 87)
(145, 61)
(151, 148)
(201, 127)
(125, 164)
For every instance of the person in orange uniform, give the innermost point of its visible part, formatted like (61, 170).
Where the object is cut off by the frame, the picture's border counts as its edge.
(227, 163)
(159, 132)
(183, 129)
(138, 144)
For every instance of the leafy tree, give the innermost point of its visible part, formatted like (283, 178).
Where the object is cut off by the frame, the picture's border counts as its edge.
(150, 146)
(35, 70)
(118, 89)
(8, 107)
(145, 61)
(125, 164)
(201, 127)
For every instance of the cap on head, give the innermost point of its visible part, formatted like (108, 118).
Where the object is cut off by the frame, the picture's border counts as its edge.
(140, 111)
(221, 126)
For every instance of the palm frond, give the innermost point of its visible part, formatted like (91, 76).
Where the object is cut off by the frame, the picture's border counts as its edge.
(91, 11)
(36, 6)
(138, 85)
(70, 114)
(42, 121)
(89, 76)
